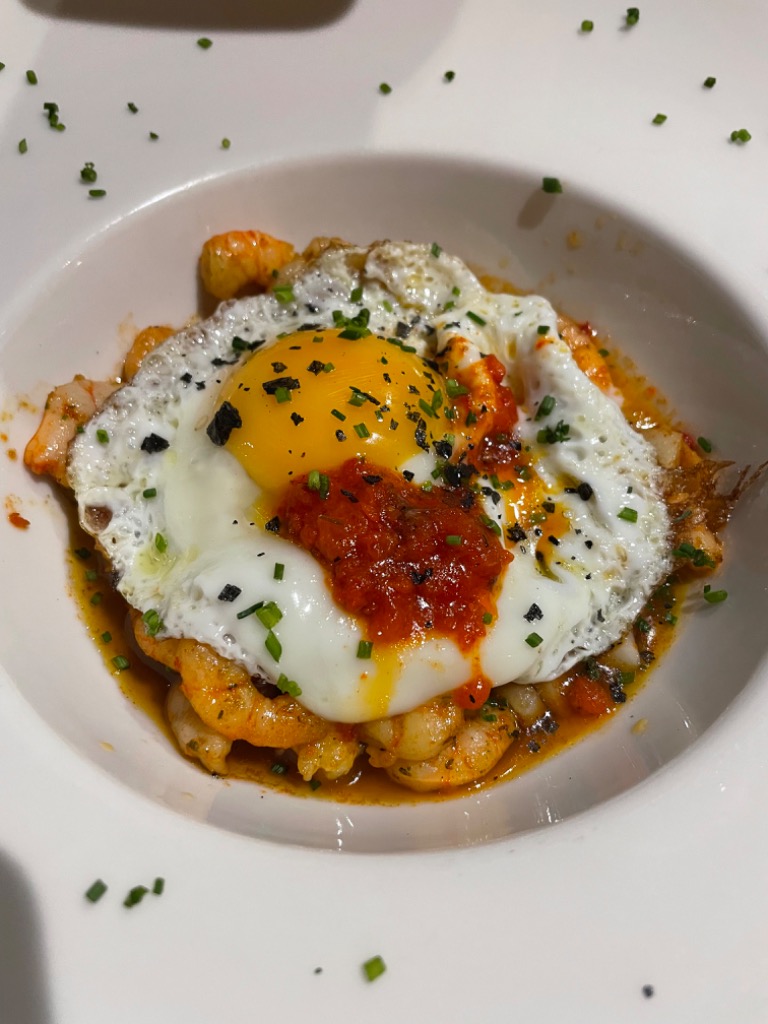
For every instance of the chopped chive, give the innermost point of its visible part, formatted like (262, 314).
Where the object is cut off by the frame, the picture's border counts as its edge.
(225, 143)
(161, 543)
(106, 637)
(740, 135)
(356, 295)
(283, 293)
(551, 185)
(97, 193)
(102, 436)
(453, 389)
(629, 515)
(714, 596)
(543, 330)
(269, 614)
(357, 399)
(95, 891)
(96, 599)
(286, 685)
(338, 415)
(278, 769)
(314, 785)
(136, 895)
(533, 640)
(88, 172)
(365, 649)
(603, 352)
(204, 43)
(32, 78)
(487, 618)
(91, 575)
(150, 492)
(374, 968)
(435, 250)
(250, 610)
(121, 662)
(282, 395)
(313, 480)
(133, 108)
(454, 540)
(709, 83)
(704, 444)
(385, 89)
(633, 15)
(546, 406)
(23, 147)
(273, 645)
(1, 65)
(626, 677)
(449, 76)
(83, 553)
(587, 26)
(279, 572)
(153, 624)
(158, 886)
(659, 119)
(554, 435)
(475, 318)
(361, 430)
(488, 522)
(154, 136)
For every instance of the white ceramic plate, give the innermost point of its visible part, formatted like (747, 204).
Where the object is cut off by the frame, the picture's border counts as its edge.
(512, 915)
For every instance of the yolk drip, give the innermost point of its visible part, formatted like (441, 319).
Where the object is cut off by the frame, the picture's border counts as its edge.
(314, 400)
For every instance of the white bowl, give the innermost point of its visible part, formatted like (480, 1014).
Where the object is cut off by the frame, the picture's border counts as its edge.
(682, 322)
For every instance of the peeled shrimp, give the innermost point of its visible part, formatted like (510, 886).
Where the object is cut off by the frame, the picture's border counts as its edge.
(194, 737)
(144, 343)
(67, 407)
(241, 259)
(334, 754)
(468, 756)
(414, 736)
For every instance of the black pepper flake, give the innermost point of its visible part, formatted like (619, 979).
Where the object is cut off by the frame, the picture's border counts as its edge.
(589, 544)
(617, 692)
(408, 475)
(230, 592)
(413, 390)
(420, 577)
(387, 378)
(420, 435)
(490, 493)
(186, 378)
(648, 991)
(279, 367)
(340, 435)
(533, 614)
(647, 657)
(554, 540)
(371, 478)
(539, 556)
(584, 491)
(444, 449)
(218, 361)
(548, 506)
(200, 385)
(154, 443)
(296, 418)
(467, 500)
(413, 416)
(273, 525)
(350, 496)
(316, 366)
(225, 420)
(534, 747)
(516, 533)
(289, 383)
(403, 330)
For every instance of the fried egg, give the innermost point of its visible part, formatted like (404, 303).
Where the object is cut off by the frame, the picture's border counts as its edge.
(179, 474)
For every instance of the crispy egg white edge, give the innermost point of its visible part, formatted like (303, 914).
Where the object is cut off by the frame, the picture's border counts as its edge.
(211, 541)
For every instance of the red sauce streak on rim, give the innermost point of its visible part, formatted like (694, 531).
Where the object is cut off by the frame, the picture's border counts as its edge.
(385, 549)
(18, 521)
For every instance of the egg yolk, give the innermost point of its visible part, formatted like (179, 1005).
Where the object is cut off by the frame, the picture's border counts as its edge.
(313, 400)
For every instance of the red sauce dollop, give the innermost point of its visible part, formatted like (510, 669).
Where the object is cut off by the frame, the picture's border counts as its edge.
(384, 545)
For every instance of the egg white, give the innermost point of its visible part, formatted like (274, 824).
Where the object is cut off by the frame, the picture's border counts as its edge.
(587, 599)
